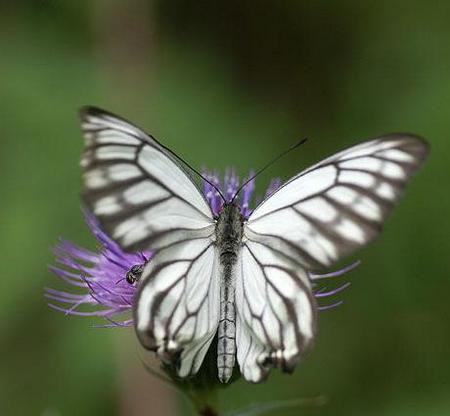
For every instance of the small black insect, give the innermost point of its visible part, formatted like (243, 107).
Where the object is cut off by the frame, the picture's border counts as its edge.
(134, 274)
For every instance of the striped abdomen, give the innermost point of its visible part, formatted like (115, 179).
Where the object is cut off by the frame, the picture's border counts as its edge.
(229, 239)
(226, 336)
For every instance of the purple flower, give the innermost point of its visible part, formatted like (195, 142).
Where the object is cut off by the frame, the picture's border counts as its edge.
(229, 187)
(324, 292)
(105, 280)
(101, 278)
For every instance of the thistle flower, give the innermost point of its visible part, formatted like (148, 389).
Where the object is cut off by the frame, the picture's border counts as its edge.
(230, 186)
(103, 279)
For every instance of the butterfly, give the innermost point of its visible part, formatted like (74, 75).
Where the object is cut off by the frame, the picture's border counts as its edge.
(242, 280)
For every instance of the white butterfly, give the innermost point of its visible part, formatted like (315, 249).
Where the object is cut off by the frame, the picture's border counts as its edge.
(245, 280)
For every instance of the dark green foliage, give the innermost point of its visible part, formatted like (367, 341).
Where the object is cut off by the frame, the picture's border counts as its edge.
(228, 83)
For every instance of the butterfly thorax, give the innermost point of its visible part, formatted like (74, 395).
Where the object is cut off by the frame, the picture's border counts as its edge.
(229, 229)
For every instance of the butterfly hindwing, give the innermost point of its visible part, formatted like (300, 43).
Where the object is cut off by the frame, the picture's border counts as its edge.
(141, 194)
(328, 211)
(177, 311)
(276, 312)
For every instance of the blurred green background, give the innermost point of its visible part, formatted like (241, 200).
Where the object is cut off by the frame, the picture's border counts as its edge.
(227, 83)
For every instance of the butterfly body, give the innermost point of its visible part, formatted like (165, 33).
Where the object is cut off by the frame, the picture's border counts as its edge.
(246, 281)
(229, 231)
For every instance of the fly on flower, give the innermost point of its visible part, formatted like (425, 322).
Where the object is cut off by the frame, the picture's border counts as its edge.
(100, 279)
(246, 278)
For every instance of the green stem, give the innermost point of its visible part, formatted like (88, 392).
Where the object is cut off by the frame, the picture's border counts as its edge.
(207, 411)
(204, 401)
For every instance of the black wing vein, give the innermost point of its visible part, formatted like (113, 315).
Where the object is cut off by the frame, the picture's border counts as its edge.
(136, 186)
(328, 211)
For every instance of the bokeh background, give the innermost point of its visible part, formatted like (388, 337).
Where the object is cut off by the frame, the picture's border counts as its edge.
(228, 83)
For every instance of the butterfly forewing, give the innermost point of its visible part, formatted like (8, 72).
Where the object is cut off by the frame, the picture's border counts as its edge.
(331, 209)
(141, 194)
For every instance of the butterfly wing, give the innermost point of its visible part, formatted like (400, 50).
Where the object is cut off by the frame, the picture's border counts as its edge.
(145, 199)
(314, 220)
(328, 211)
(142, 195)
(275, 312)
(177, 305)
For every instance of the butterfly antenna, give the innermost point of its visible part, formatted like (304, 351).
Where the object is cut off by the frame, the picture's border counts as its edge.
(298, 144)
(192, 168)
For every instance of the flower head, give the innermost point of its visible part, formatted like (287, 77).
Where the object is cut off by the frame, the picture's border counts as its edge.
(230, 186)
(106, 280)
(101, 277)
